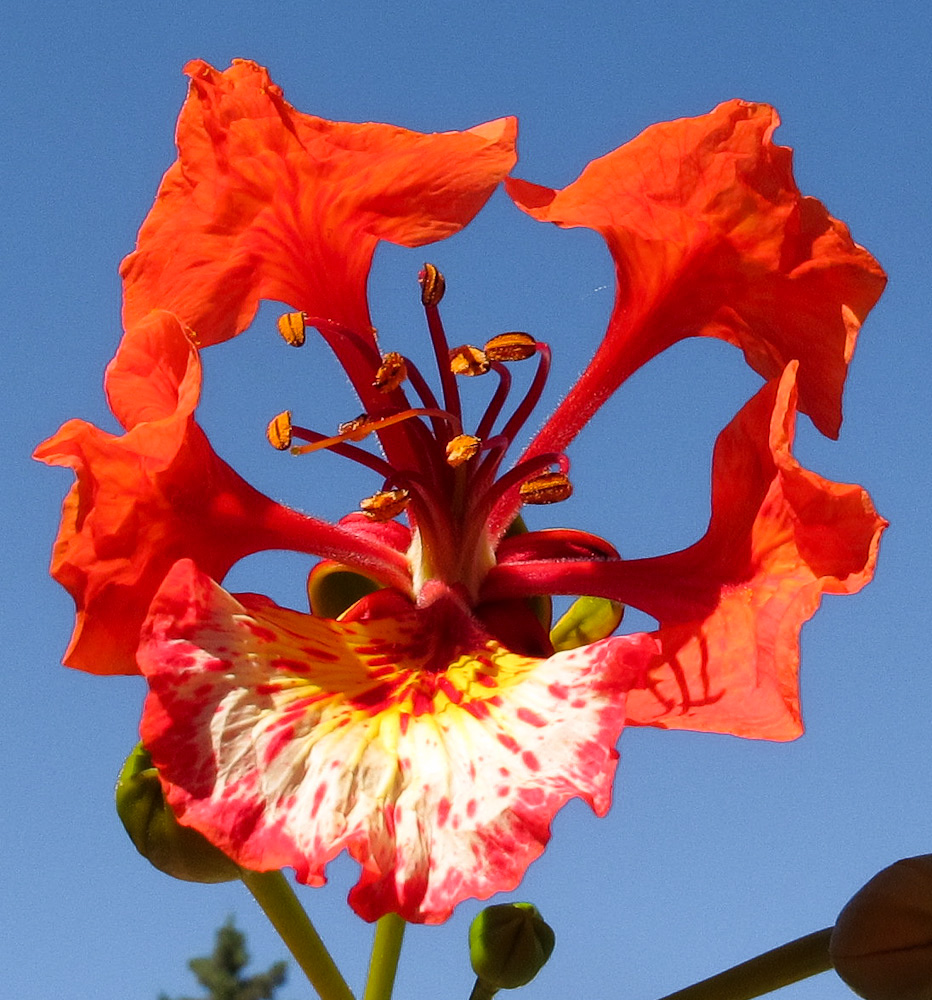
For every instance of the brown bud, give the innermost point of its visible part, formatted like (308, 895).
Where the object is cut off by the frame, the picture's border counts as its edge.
(279, 431)
(462, 448)
(384, 505)
(432, 285)
(551, 487)
(881, 945)
(468, 360)
(291, 326)
(514, 346)
(392, 372)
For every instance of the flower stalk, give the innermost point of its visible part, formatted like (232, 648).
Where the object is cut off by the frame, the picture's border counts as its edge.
(806, 956)
(279, 903)
(383, 962)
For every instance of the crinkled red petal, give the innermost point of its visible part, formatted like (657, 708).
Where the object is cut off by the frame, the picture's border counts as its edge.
(731, 606)
(267, 203)
(159, 493)
(711, 237)
(436, 757)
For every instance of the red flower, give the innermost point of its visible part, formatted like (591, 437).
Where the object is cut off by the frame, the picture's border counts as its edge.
(420, 718)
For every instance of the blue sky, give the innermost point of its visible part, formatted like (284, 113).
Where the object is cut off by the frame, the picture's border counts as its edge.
(716, 848)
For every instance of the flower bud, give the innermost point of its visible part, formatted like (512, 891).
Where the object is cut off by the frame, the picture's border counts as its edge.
(881, 945)
(174, 849)
(508, 945)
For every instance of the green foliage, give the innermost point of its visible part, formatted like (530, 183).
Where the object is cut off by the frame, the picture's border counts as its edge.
(220, 972)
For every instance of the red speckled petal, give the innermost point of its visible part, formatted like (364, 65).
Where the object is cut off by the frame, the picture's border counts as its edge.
(266, 202)
(711, 237)
(433, 755)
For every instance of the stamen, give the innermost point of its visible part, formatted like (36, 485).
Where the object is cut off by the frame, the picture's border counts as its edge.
(292, 327)
(385, 504)
(392, 372)
(530, 401)
(469, 361)
(513, 346)
(497, 401)
(363, 425)
(278, 431)
(461, 449)
(551, 487)
(432, 288)
(433, 285)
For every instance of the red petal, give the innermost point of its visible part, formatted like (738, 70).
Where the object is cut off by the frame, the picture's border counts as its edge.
(731, 606)
(436, 757)
(266, 202)
(711, 237)
(159, 493)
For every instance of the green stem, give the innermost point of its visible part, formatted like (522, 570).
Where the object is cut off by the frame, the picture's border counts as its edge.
(277, 899)
(799, 959)
(481, 991)
(383, 963)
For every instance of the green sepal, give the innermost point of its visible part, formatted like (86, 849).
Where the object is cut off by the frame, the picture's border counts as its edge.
(333, 588)
(508, 945)
(587, 620)
(174, 849)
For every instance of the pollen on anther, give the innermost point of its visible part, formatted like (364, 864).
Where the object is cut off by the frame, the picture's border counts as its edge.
(355, 429)
(513, 346)
(432, 285)
(551, 487)
(461, 449)
(278, 431)
(292, 328)
(468, 360)
(392, 372)
(384, 505)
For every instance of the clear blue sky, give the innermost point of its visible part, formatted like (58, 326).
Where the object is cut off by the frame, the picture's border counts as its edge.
(715, 848)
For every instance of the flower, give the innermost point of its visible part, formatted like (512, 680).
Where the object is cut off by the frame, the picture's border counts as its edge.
(420, 717)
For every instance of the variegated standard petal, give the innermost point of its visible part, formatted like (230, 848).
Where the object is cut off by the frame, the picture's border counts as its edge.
(431, 753)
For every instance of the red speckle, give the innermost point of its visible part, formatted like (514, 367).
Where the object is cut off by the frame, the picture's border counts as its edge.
(533, 796)
(508, 742)
(320, 655)
(530, 761)
(260, 632)
(579, 703)
(453, 693)
(289, 665)
(477, 708)
(531, 718)
(421, 704)
(443, 811)
(471, 806)
(502, 791)
(319, 794)
(560, 691)
(277, 743)
(403, 721)
(485, 680)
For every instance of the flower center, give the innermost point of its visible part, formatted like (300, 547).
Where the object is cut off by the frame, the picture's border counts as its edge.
(447, 480)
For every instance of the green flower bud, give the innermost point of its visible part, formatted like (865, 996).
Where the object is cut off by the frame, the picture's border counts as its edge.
(508, 945)
(174, 849)
(587, 620)
(881, 945)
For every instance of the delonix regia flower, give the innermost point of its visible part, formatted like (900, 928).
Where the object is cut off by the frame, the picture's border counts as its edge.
(420, 716)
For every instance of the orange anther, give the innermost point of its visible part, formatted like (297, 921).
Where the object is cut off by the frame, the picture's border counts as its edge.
(355, 429)
(279, 431)
(432, 285)
(291, 326)
(384, 505)
(468, 360)
(551, 487)
(392, 372)
(514, 346)
(462, 448)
